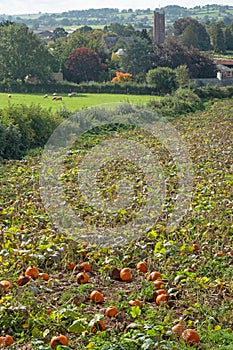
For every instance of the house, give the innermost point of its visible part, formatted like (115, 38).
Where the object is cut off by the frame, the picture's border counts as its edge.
(224, 68)
(46, 35)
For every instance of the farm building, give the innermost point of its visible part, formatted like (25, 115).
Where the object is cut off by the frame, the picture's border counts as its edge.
(225, 68)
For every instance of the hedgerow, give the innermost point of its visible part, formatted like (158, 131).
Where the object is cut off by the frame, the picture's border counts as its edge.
(23, 128)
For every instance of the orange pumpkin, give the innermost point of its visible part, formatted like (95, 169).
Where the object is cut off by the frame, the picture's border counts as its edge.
(44, 276)
(142, 266)
(161, 291)
(5, 285)
(219, 254)
(178, 329)
(58, 340)
(82, 278)
(125, 274)
(96, 296)
(85, 266)
(196, 247)
(160, 299)
(111, 311)
(48, 312)
(159, 283)
(155, 275)
(190, 336)
(32, 271)
(135, 302)
(70, 266)
(22, 280)
(6, 340)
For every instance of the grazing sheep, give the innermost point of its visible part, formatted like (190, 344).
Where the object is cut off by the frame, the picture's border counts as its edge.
(57, 98)
(9, 95)
(71, 94)
(45, 96)
(54, 94)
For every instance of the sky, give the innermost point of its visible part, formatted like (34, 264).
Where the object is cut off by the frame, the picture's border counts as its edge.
(54, 6)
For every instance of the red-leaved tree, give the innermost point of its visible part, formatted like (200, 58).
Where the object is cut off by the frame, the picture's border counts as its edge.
(83, 64)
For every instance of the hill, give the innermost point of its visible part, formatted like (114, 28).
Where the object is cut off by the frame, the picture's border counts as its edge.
(105, 16)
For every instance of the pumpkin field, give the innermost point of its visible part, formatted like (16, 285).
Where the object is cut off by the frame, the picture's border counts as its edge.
(164, 290)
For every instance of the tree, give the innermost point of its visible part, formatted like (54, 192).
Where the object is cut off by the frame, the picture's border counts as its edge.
(144, 35)
(83, 64)
(189, 36)
(192, 33)
(218, 38)
(174, 54)
(138, 56)
(182, 75)
(121, 29)
(22, 53)
(85, 29)
(229, 38)
(59, 32)
(93, 39)
(164, 79)
(121, 77)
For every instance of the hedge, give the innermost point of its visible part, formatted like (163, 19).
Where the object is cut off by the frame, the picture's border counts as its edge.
(23, 128)
(91, 87)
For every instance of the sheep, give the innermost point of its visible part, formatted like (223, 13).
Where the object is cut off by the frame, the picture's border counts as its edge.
(9, 95)
(54, 94)
(57, 98)
(46, 96)
(71, 94)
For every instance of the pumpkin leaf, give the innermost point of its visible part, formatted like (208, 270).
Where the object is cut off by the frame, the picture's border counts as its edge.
(78, 326)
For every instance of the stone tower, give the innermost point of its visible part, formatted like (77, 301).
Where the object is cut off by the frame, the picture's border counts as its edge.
(159, 27)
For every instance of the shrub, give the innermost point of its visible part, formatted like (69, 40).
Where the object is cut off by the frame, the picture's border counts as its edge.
(214, 91)
(164, 79)
(23, 128)
(181, 102)
(10, 141)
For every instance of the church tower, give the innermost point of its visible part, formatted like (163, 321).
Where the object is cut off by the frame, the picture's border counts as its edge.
(159, 27)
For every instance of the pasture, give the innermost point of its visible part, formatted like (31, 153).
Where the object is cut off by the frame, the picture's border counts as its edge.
(74, 103)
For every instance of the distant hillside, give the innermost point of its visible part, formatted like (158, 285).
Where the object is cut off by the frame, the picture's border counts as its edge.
(106, 16)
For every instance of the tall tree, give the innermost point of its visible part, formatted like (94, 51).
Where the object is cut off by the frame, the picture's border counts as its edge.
(189, 36)
(22, 53)
(218, 39)
(229, 37)
(138, 56)
(192, 33)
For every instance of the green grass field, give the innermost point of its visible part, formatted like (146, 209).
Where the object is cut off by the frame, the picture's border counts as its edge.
(72, 103)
